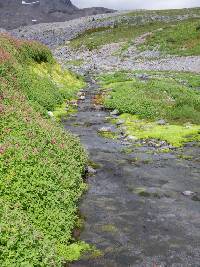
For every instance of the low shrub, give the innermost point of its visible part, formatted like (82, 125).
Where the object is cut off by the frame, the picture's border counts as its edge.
(41, 165)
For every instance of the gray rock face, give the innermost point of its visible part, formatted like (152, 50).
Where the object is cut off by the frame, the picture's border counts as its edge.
(14, 14)
(64, 6)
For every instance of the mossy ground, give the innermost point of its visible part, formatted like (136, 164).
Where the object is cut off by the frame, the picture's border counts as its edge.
(174, 134)
(168, 96)
(41, 165)
(182, 38)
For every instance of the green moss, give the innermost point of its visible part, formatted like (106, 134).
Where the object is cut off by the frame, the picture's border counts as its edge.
(109, 228)
(186, 157)
(176, 135)
(94, 164)
(74, 251)
(110, 135)
(77, 251)
(63, 111)
(127, 150)
(75, 62)
(68, 84)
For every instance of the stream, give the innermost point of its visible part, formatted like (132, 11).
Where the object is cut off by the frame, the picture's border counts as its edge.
(134, 209)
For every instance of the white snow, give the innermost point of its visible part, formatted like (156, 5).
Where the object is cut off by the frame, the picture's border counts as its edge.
(31, 3)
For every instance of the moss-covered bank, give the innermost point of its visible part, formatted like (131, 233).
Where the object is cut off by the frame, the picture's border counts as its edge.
(160, 105)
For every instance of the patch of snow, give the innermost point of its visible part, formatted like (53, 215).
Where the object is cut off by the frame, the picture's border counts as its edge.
(31, 3)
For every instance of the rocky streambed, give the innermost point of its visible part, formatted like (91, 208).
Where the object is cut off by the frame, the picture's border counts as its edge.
(136, 209)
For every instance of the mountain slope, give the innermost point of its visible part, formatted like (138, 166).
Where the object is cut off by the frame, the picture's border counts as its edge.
(14, 14)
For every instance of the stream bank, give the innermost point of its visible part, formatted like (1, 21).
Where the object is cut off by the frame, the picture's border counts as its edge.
(134, 210)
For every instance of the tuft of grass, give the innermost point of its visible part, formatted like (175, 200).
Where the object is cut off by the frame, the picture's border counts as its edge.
(41, 165)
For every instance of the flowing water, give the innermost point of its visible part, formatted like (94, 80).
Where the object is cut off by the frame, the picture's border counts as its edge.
(134, 210)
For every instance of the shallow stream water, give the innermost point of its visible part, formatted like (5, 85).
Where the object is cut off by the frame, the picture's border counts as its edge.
(160, 227)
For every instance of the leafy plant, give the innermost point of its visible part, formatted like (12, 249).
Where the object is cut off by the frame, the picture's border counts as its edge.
(41, 165)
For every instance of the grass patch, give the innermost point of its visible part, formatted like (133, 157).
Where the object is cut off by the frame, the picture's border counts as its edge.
(166, 96)
(75, 62)
(41, 165)
(158, 97)
(124, 32)
(182, 38)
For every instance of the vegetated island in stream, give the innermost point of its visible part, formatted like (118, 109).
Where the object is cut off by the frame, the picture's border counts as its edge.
(143, 65)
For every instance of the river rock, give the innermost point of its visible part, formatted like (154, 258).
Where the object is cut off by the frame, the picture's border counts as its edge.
(90, 170)
(131, 138)
(188, 193)
(119, 122)
(105, 129)
(161, 122)
(82, 97)
(114, 112)
(50, 113)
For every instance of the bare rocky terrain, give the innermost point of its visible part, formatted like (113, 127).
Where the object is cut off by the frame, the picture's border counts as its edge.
(14, 14)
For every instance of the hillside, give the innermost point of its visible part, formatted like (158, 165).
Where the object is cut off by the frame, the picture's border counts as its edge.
(41, 165)
(14, 14)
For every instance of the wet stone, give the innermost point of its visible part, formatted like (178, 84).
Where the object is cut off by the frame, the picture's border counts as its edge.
(91, 170)
(114, 112)
(188, 193)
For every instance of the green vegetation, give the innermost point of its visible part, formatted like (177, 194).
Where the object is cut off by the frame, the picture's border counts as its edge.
(106, 134)
(75, 62)
(167, 96)
(41, 165)
(124, 32)
(110, 228)
(174, 134)
(166, 12)
(182, 38)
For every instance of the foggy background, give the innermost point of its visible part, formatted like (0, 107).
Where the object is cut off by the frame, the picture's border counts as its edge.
(138, 4)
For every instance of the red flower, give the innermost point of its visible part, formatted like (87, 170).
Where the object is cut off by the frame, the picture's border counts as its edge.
(53, 141)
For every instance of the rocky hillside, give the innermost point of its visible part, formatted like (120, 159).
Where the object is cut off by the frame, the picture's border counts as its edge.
(18, 13)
